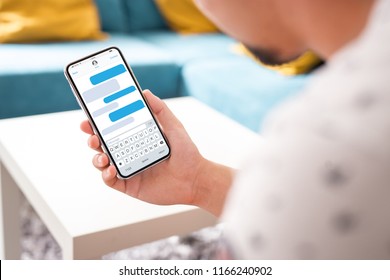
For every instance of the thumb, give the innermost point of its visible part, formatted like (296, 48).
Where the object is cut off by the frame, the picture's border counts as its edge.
(161, 111)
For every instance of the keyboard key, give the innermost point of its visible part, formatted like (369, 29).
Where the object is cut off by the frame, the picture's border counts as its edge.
(161, 142)
(138, 145)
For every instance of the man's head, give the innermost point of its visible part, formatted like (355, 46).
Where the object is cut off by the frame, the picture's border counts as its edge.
(280, 30)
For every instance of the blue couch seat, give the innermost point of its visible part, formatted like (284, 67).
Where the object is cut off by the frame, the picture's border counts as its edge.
(240, 88)
(33, 73)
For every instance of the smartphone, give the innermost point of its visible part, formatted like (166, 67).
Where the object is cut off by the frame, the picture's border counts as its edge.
(108, 92)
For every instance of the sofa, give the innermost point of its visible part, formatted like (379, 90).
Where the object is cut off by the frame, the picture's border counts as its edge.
(204, 66)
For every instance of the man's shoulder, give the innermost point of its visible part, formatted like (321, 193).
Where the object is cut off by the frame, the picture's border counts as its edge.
(350, 89)
(348, 100)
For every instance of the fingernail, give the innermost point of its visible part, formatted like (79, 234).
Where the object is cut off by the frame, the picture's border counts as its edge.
(100, 159)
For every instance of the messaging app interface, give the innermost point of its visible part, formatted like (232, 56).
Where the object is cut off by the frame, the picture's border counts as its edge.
(119, 112)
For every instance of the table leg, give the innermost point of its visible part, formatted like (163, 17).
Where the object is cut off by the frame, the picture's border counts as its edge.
(10, 231)
(70, 253)
(67, 253)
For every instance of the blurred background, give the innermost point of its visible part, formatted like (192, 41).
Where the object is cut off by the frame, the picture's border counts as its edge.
(173, 49)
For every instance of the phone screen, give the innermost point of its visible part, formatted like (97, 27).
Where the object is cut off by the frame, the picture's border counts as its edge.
(111, 97)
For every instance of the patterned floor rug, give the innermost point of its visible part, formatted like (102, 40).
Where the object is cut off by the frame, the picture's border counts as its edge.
(38, 243)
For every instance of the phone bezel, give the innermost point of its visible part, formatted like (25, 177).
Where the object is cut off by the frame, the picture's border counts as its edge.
(92, 122)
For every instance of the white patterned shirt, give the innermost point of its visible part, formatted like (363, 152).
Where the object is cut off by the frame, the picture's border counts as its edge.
(319, 186)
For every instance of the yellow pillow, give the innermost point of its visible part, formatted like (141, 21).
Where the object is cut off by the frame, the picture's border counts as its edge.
(184, 17)
(24, 21)
(300, 65)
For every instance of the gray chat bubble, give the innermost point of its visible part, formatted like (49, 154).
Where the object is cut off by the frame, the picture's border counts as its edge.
(101, 91)
(105, 109)
(117, 125)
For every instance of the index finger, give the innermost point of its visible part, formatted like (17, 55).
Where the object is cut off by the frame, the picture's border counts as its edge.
(85, 126)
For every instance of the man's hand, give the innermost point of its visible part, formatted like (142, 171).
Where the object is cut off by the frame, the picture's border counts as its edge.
(185, 178)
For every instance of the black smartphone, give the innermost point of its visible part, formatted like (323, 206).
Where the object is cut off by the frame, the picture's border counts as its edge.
(108, 92)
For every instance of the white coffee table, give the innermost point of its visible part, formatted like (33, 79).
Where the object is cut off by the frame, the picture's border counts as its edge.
(46, 158)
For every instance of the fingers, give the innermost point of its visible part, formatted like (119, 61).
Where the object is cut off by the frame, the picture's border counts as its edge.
(111, 180)
(164, 115)
(100, 161)
(154, 102)
(85, 126)
(94, 143)
(93, 140)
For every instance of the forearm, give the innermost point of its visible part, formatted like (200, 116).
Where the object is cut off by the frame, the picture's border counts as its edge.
(212, 186)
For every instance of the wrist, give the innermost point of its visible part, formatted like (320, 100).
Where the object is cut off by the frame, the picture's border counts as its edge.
(212, 185)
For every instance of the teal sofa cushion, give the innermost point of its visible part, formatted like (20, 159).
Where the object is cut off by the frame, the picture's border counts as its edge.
(201, 65)
(34, 93)
(113, 15)
(185, 48)
(143, 15)
(239, 87)
(32, 80)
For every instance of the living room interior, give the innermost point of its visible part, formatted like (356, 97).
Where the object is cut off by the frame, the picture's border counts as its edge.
(174, 51)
